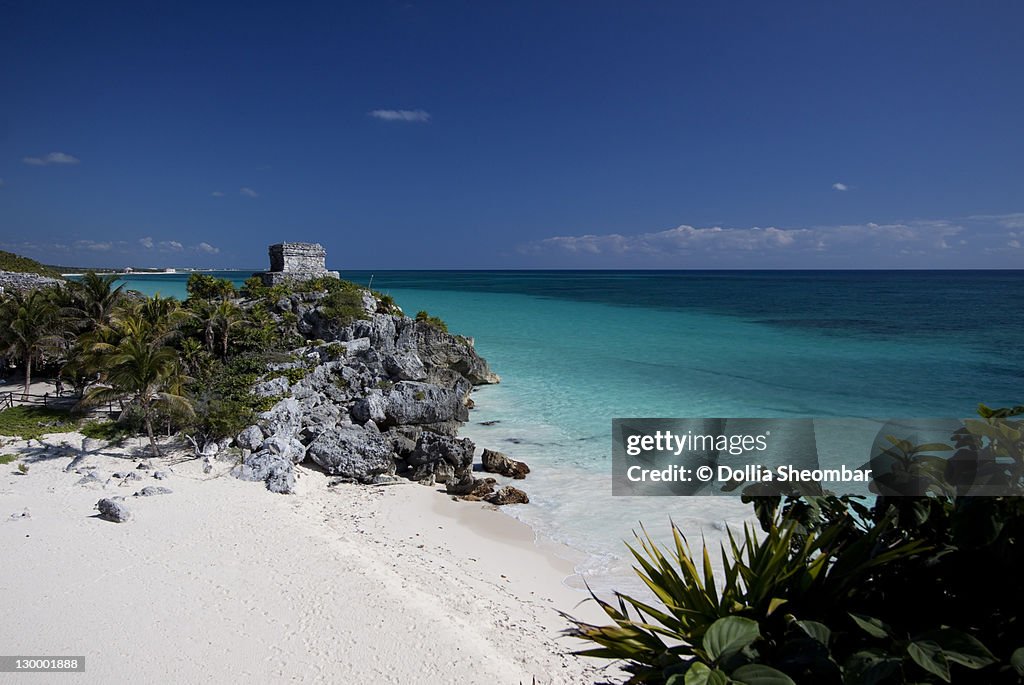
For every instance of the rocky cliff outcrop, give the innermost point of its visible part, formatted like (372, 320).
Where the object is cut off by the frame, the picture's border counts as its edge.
(13, 280)
(371, 400)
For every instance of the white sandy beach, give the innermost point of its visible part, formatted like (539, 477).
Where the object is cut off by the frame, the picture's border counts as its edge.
(222, 581)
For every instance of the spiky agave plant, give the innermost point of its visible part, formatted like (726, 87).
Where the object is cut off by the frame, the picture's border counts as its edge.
(760, 614)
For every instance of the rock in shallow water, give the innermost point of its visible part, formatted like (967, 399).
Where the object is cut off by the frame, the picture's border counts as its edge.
(498, 462)
(114, 511)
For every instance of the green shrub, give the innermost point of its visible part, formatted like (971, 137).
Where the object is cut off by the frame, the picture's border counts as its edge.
(343, 305)
(206, 287)
(8, 458)
(436, 322)
(386, 304)
(218, 418)
(835, 592)
(295, 374)
(336, 350)
(23, 469)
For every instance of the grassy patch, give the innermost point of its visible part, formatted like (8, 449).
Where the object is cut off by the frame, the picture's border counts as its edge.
(32, 422)
(108, 431)
(7, 458)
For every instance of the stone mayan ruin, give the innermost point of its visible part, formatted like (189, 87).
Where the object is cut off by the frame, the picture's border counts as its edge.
(296, 262)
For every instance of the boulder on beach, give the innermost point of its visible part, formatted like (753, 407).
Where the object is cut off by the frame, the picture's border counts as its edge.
(275, 470)
(353, 452)
(151, 490)
(470, 488)
(499, 462)
(113, 510)
(507, 495)
(445, 457)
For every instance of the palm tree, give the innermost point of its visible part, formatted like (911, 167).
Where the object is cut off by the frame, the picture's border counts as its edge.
(142, 369)
(32, 324)
(228, 316)
(218, 320)
(96, 298)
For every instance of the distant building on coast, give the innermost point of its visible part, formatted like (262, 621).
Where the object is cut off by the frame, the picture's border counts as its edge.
(296, 262)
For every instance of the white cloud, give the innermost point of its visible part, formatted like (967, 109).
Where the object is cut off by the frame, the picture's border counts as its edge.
(842, 187)
(1015, 244)
(690, 241)
(248, 192)
(207, 248)
(146, 242)
(171, 245)
(93, 245)
(52, 158)
(217, 193)
(1014, 221)
(401, 115)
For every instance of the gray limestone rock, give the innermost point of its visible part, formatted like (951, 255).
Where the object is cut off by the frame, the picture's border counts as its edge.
(151, 490)
(352, 452)
(275, 387)
(274, 470)
(410, 402)
(250, 438)
(113, 510)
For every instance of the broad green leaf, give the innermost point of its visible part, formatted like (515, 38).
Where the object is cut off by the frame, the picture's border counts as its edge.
(759, 674)
(815, 630)
(870, 666)
(775, 604)
(960, 647)
(928, 655)
(872, 626)
(1017, 660)
(728, 635)
(697, 675)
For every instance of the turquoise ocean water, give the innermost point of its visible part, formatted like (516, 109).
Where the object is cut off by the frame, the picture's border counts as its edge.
(576, 349)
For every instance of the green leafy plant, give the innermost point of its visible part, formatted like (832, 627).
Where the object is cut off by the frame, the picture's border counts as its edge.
(23, 469)
(8, 458)
(425, 317)
(844, 593)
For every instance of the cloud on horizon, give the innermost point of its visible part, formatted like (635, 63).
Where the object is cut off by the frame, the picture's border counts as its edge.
(410, 115)
(913, 244)
(52, 158)
(207, 248)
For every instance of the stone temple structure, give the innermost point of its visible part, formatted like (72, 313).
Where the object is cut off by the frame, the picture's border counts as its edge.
(296, 262)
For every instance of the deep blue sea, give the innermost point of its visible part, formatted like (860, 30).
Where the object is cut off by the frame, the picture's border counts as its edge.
(578, 348)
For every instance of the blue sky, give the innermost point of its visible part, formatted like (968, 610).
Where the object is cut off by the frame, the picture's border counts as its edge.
(515, 135)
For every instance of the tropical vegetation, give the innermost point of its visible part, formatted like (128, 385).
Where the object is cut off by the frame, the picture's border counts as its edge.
(161, 365)
(844, 591)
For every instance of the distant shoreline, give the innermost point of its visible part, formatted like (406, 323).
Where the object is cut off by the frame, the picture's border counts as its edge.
(141, 272)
